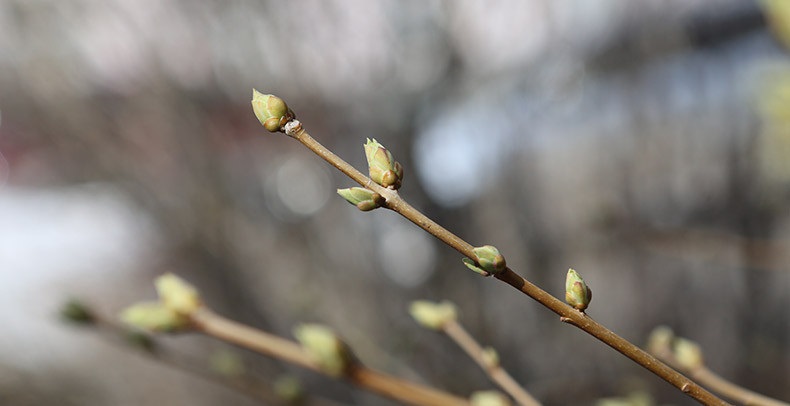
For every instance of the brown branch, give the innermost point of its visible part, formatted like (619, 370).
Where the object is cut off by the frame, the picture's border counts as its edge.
(148, 347)
(212, 324)
(568, 314)
(495, 371)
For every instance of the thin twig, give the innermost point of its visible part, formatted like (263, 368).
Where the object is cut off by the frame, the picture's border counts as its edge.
(212, 324)
(566, 313)
(732, 391)
(495, 371)
(716, 383)
(185, 363)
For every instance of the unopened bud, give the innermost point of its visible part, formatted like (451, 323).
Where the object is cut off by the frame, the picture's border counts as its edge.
(577, 294)
(271, 111)
(77, 312)
(154, 316)
(325, 348)
(491, 357)
(687, 353)
(382, 167)
(489, 261)
(489, 398)
(177, 294)
(433, 315)
(660, 340)
(364, 199)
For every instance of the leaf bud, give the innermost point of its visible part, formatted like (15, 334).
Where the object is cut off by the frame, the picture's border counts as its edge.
(382, 167)
(271, 111)
(178, 295)
(577, 294)
(364, 199)
(489, 398)
(433, 315)
(325, 348)
(489, 261)
(154, 316)
(687, 353)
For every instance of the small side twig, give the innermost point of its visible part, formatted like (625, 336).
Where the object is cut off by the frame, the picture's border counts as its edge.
(499, 375)
(212, 324)
(687, 357)
(147, 346)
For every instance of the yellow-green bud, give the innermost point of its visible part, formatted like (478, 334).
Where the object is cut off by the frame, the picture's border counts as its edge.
(433, 315)
(382, 167)
(489, 261)
(491, 357)
(489, 398)
(154, 316)
(178, 295)
(687, 353)
(325, 348)
(660, 340)
(577, 294)
(271, 111)
(364, 199)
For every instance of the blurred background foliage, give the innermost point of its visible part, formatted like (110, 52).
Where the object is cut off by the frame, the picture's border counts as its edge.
(644, 143)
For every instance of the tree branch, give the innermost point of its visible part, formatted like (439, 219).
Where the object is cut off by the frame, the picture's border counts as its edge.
(567, 314)
(212, 324)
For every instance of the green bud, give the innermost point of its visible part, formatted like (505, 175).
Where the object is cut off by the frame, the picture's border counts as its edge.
(77, 312)
(364, 199)
(687, 353)
(489, 398)
(433, 315)
(577, 294)
(325, 348)
(660, 339)
(489, 261)
(491, 357)
(382, 167)
(178, 295)
(154, 316)
(271, 111)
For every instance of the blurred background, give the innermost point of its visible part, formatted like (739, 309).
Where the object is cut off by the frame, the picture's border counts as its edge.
(644, 143)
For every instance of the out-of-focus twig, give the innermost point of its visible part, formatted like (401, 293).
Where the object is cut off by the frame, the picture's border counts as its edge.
(180, 308)
(686, 356)
(444, 317)
(212, 324)
(149, 347)
(456, 331)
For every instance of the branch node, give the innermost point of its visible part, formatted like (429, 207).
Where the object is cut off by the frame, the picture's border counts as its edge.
(292, 128)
